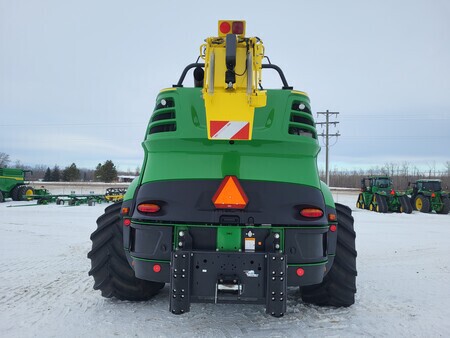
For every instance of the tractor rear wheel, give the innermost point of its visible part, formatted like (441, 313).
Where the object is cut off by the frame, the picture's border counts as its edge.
(338, 287)
(112, 273)
(25, 191)
(445, 206)
(413, 204)
(15, 192)
(405, 205)
(422, 203)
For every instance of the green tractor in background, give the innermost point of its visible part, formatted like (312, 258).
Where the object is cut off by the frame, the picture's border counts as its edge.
(12, 185)
(427, 195)
(377, 194)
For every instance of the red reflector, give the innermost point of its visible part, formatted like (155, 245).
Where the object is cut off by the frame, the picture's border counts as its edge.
(230, 194)
(148, 207)
(126, 222)
(333, 228)
(311, 213)
(125, 211)
(225, 27)
(300, 272)
(156, 268)
(433, 195)
(332, 217)
(238, 27)
(392, 192)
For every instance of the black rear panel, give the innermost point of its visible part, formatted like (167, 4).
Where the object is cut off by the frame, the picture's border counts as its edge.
(190, 201)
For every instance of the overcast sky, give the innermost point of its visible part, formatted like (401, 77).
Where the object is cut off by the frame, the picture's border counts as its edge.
(78, 79)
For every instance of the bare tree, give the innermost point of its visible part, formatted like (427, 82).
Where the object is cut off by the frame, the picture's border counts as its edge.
(4, 160)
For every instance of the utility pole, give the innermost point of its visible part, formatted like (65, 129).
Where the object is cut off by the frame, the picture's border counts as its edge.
(327, 135)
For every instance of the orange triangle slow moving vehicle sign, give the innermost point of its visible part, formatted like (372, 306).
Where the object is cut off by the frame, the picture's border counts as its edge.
(230, 194)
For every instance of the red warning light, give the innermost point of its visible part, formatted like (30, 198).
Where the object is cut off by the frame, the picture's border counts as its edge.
(230, 194)
(225, 27)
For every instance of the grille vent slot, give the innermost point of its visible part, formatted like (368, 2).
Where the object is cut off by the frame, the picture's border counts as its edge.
(164, 117)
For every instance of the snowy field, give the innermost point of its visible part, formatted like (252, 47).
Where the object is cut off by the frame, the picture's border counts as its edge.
(45, 291)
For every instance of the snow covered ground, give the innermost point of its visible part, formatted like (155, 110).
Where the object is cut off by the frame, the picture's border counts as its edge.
(45, 291)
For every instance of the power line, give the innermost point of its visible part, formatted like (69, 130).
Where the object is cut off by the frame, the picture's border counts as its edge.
(327, 135)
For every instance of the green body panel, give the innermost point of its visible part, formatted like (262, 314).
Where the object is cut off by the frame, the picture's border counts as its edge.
(9, 178)
(272, 155)
(131, 189)
(228, 238)
(327, 195)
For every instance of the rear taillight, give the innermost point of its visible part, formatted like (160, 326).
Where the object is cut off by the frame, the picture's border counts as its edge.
(433, 195)
(311, 213)
(148, 208)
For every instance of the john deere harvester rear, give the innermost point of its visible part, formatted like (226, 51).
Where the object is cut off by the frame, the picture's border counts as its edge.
(229, 207)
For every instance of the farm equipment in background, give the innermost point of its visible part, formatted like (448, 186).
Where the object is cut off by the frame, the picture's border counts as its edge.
(12, 185)
(426, 195)
(115, 194)
(377, 194)
(229, 206)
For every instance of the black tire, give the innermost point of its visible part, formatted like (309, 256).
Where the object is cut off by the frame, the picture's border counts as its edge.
(422, 203)
(446, 206)
(411, 200)
(338, 287)
(112, 273)
(15, 192)
(381, 204)
(25, 190)
(405, 204)
(2, 198)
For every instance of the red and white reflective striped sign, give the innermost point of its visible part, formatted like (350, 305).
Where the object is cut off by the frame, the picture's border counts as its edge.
(229, 130)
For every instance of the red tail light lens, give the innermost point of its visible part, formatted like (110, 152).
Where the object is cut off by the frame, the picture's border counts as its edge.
(392, 192)
(225, 27)
(238, 27)
(148, 208)
(333, 228)
(126, 222)
(300, 272)
(311, 213)
(433, 195)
